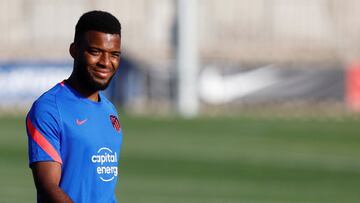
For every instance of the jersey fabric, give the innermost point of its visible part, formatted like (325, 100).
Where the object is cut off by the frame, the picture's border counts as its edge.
(83, 136)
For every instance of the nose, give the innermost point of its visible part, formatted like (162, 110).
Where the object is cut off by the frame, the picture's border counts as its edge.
(104, 60)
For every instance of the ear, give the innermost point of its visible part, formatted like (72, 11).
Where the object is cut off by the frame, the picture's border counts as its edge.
(73, 50)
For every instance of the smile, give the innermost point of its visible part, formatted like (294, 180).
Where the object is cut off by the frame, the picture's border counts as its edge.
(103, 74)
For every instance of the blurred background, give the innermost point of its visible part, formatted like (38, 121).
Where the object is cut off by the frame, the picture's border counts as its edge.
(221, 101)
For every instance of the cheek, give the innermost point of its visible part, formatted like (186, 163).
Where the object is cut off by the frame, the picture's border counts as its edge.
(116, 63)
(90, 60)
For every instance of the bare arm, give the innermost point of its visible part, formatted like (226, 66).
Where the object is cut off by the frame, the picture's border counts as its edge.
(47, 178)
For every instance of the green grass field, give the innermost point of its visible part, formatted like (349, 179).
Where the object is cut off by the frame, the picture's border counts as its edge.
(218, 160)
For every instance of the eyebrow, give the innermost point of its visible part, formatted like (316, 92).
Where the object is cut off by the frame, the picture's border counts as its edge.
(97, 48)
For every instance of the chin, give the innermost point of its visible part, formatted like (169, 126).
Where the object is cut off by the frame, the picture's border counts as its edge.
(94, 83)
(98, 86)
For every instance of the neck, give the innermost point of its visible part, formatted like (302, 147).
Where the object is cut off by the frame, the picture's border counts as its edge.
(81, 89)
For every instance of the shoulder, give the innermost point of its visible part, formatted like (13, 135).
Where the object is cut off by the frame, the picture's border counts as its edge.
(45, 108)
(47, 101)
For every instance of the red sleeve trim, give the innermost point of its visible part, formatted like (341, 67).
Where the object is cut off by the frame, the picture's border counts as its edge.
(42, 142)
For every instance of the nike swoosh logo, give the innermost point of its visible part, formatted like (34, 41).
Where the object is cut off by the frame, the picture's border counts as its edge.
(80, 122)
(235, 86)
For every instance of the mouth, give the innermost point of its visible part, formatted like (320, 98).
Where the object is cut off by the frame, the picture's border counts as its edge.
(101, 73)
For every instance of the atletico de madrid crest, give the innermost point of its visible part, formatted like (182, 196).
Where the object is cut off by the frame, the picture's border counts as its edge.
(115, 122)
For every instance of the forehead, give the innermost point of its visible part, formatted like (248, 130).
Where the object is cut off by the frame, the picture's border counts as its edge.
(102, 40)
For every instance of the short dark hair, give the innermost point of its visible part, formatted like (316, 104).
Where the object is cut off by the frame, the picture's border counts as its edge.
(97, 21)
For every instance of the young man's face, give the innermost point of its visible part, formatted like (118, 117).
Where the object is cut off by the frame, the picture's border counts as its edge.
(98, 59)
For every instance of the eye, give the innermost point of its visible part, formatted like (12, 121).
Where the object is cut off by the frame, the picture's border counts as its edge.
(94, 52)
(115, 55)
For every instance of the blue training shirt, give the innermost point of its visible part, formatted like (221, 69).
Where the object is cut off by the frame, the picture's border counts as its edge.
(83, 136)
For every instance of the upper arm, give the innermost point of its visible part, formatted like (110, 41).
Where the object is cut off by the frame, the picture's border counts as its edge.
(46, 174)
(47, 179)
(43, 129)
(43, 126)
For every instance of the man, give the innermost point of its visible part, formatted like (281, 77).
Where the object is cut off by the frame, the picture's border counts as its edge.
(73, 130)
